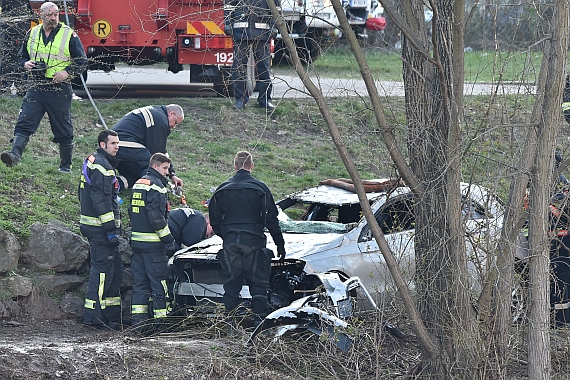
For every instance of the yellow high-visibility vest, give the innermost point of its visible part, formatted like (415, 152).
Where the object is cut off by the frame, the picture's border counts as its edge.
(55, 54)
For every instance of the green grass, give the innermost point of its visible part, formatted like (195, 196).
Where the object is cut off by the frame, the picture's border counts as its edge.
(292, 150)
(291, 147)
(480, 67)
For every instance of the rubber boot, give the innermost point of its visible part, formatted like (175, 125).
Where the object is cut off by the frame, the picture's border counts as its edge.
(65, 155)
(12, 157)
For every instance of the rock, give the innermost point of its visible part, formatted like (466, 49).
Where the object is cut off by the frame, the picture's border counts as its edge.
(72, 305)
(128, 280)
(55, 283)
(9, 309)
(53, 246)
(41, 306)
(14, 286)
(9, 251)
(126, 251)
(126, 301)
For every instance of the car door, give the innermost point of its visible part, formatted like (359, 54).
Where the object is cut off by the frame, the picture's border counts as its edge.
(396, 218)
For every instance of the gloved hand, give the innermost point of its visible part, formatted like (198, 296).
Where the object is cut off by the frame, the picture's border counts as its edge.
(112, 240)
(228, 30)
(281, 253)
(171, 249)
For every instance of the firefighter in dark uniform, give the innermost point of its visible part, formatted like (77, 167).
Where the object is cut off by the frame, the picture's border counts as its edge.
(58, 49)
(100, 223)
(250, 24)
(143, 132)
(151, 241)
(240, 209)
(566, 100)
(188, 226)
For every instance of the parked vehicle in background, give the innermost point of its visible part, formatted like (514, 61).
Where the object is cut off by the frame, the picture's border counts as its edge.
(184, 34)
(313, 24)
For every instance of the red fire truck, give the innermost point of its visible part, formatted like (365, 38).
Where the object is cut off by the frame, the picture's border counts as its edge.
(143, 32)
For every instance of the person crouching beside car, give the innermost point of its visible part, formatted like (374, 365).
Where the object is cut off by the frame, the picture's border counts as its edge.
(188, 226)
(151, 241)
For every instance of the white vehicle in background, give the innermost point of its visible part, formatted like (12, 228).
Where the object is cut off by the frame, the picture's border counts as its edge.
(313, 24)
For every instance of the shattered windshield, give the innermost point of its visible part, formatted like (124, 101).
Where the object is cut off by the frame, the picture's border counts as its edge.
(316, 227)
(304, 226)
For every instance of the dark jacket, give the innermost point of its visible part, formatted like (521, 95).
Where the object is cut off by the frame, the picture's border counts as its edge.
(98, 195)
(249, 19)
(149, 212)
(241, 209)
(187, 226)
(147, 126)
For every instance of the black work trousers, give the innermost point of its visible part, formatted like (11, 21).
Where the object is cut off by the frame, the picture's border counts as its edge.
(150, 271)
(56, 101)
(262, 58)
(134, 163)
(103, 300)
(241, 262)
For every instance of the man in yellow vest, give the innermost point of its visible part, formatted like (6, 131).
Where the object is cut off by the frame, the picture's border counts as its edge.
(52, 54)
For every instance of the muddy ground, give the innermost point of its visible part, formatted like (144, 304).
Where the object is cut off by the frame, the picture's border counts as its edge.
(69, 350)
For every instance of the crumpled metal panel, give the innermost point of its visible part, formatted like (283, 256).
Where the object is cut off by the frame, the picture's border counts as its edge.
(331, 196)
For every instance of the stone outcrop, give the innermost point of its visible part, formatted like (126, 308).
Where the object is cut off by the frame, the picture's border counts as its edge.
(56, 283)
(9, 251)
(72, 305)
(53, 246)
(9, 309)
(14, 286)
(39, 305)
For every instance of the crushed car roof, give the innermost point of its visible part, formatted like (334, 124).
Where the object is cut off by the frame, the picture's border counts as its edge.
(334, 196)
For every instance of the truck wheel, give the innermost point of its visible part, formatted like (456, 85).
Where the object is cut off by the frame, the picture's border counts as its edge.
(224, 89)
(279, 53)
(308, 51)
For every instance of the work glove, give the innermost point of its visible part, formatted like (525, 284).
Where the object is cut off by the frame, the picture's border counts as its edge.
(171, 249)
(112, 240)
(228, 30)
(281, 253)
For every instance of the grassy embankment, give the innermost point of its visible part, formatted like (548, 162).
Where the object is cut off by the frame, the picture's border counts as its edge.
(291, 147)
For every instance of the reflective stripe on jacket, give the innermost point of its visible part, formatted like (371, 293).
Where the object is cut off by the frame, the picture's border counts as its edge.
(98, 194)
(55, 54)
(149, 212)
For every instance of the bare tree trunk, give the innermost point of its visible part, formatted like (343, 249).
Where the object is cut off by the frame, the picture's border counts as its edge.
(496, 311)
(541, 178)
(417, 324)
(432, 107)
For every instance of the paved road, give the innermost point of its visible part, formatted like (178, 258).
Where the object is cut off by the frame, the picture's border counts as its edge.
(151, 81)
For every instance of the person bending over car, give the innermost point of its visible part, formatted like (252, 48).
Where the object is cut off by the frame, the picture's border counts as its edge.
(240, 209)
(143, 132)
(188, 226)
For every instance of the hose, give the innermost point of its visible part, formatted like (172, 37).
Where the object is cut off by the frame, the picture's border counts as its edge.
(81, 76)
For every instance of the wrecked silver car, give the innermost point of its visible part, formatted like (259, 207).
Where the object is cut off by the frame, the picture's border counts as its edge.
(330, 238)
